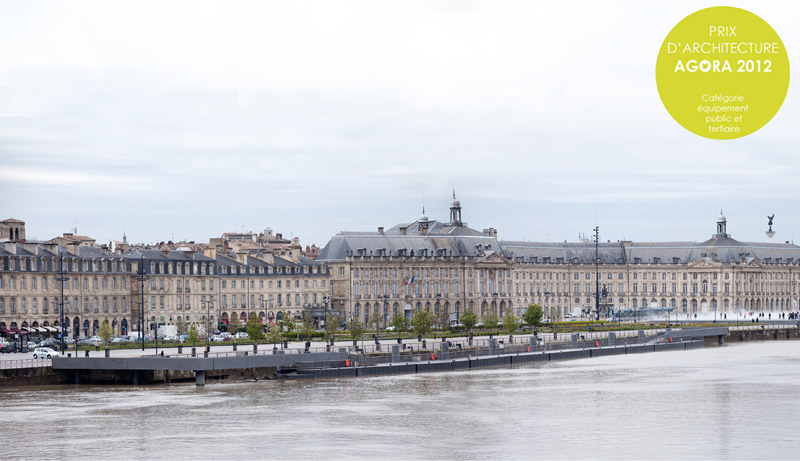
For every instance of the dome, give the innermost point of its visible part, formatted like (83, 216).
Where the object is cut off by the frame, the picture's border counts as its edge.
(721, 218)
(423, 218)
(456, 204)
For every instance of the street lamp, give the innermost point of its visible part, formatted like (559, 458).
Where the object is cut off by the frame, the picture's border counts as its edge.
(325, 306)
(62, 277)
(141, 278)
(597, 270)
(208, 304)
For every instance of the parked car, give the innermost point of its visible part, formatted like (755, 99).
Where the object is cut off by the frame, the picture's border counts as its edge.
(120, 339)
(226, 335)
(49, 342)
(241, 334)
(45, 352)
(96, 338)
(13, 347)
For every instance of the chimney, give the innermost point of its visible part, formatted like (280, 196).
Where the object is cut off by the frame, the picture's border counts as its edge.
(295, 254)
(268, 258)
(211, 253)
(74, 249)
(189, 254)
(11, 247)
(32, 248)
(380, 230)
(165, 253)
(241, 258)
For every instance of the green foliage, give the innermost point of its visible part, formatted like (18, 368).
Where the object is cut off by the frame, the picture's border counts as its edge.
(533, 315)
(308, 325)
(193, 337)
(331, 325)
(288, 323)
(510, 322)
(377, 318)
(399, 322)
(255, 330)
(491, 320)
(356, 329)
(469, 319)
(274, 334)
(234, 324)
(105, 332)
(422, 322)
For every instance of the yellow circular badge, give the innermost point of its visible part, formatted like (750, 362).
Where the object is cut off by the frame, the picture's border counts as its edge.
(722, 72)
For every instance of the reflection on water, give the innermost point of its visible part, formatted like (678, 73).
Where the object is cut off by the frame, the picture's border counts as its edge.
(737, 401)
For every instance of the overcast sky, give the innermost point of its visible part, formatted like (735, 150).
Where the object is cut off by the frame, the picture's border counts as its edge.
(197, 118)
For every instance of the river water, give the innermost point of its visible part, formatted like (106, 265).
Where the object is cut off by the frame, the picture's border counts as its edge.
(734, 402)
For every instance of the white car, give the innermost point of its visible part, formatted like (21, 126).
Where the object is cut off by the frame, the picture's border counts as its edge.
(45, 352)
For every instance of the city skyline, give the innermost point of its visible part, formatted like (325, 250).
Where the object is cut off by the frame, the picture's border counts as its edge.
(197, 121)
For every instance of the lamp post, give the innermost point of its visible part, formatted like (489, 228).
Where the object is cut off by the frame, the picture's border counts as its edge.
(597, 270)
(325, 306)
(141, 278)
(62, 277)
(605, 297)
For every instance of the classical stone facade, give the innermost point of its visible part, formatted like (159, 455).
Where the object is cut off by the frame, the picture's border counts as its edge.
(455, 267)
(445, 267)
(97, 289)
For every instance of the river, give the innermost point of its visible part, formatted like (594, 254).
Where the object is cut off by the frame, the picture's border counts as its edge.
(736, 401)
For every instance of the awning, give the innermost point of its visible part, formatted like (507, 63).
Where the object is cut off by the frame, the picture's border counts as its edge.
(8, 332)
(24, 330)
(17, 330)
(52, 329)
(43, 330)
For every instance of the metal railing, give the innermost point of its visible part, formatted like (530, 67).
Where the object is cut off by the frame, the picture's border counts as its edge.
(25, 363)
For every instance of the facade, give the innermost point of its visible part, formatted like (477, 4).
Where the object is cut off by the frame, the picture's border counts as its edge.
(97, 289)
(455, 267)
(444, 267)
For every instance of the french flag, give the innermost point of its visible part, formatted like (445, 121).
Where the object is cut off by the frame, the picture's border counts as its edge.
(410, 281)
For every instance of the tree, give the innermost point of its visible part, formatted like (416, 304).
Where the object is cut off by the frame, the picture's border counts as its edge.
(234, 325)
(331, 325)
(491, 320)
(288, 323)
(274, 334)
(193, 337)
(422, 322)
(376, 318)
(356, 329)
(400, 323)
(533, 315)
(255, 329)
(469, 319)
(105, 332)
(510, 322)
(308, 326)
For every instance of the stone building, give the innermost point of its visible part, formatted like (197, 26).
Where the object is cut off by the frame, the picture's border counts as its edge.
(12, 229)
(455, 267)
(97, 289)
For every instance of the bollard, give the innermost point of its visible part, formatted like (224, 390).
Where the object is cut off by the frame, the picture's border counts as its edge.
(534, 342)
(555, 335)
(180, 349)
(399, 340)
(108, 353)
(205, 354)
(274, 350)
(194, 352)
(255, 349)
(510, 339)
(424, 344)
(234, 347)
(87, 353)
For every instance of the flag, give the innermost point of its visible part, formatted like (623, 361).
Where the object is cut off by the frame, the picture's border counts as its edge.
(410, 280)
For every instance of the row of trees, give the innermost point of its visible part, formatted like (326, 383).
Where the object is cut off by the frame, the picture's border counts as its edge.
(422, 323)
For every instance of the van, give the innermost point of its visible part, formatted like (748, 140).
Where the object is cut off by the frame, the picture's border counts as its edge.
(570, 316)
